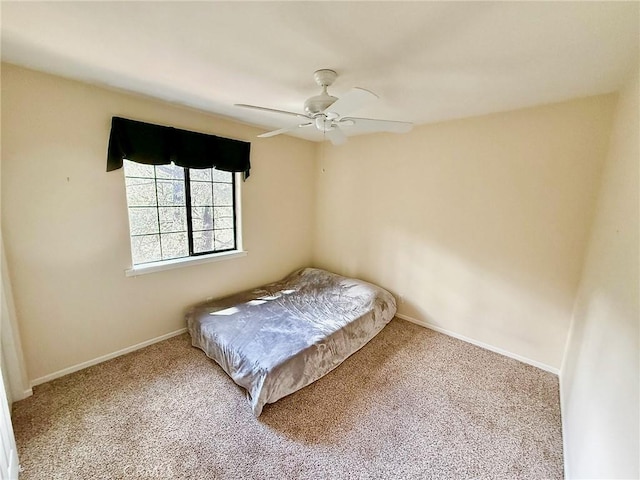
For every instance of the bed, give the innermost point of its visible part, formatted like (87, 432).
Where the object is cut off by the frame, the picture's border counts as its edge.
(279, 338)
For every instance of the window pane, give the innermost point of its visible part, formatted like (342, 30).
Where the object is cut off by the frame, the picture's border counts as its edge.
(145, 249)
(171, 192)
(174, 245)
(222, 194)
(143, 220)
(169, 171)
(203, 241)
(224, 239)
(202, 218)
(200, 174)
(140, 192)
(220, 176)
(224, 222)
(221, 212)
(172, 219)
(133, 169)
(223, 217)
(201, 194)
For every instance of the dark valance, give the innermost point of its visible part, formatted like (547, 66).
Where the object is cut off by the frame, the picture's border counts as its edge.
(158, 145)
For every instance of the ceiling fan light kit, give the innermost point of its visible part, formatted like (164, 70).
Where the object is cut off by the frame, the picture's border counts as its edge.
(327, 113)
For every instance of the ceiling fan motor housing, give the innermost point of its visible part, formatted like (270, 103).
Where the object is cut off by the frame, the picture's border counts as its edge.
(319, 103)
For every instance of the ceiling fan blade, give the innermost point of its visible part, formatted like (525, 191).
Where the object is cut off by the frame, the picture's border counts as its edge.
(336, 135)
(283, 130)
(372, 125)
(352, 100)
(271, 110)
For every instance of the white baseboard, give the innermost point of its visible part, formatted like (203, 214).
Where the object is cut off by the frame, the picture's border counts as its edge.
(104, 358)
(486, 346)
(25, 394)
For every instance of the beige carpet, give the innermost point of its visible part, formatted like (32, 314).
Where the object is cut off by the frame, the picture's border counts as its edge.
(411, 404)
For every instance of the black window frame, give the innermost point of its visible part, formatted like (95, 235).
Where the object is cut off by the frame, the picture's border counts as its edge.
(187, 194)
(189, 213)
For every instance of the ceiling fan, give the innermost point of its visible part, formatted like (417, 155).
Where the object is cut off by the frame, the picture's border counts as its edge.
(328, 113)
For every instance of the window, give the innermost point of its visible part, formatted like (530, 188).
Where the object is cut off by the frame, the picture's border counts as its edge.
(177, 212)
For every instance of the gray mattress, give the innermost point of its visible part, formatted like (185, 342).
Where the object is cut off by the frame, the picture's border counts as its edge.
(279, 338)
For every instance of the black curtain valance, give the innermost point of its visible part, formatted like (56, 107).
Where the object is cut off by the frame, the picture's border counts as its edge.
(158, 145)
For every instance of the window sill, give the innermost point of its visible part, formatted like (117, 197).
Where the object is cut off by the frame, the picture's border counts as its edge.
(182, 262)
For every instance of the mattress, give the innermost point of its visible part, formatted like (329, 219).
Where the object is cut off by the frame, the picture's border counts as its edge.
(279, 338)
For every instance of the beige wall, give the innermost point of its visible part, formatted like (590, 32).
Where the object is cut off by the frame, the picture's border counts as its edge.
(64, 221)
(600, 375)
(478, 225)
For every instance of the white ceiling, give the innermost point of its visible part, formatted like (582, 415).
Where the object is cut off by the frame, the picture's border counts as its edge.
(428, 62)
